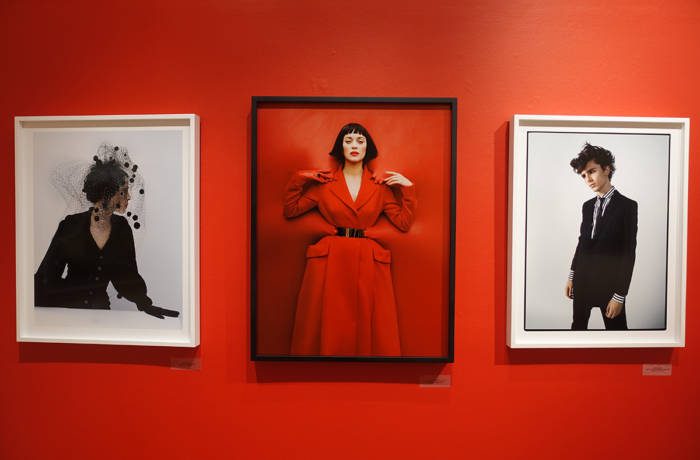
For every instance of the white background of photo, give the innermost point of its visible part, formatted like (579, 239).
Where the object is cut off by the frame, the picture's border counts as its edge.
(158, 240)
(555, 195)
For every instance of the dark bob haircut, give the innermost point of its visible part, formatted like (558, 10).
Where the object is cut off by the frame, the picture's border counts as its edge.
(353, 128)
(103, 180)
(598, 154)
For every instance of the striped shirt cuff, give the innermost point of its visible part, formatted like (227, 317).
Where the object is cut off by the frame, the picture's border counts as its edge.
(571, 275)
(618, 298)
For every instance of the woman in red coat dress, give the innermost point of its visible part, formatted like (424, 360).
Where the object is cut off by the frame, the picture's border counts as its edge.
(346, 305)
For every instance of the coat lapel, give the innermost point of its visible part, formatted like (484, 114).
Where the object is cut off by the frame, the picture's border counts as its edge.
(340, 189)
(367, 189)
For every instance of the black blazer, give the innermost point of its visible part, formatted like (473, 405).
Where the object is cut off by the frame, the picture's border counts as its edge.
(603, 265)
(89, 268)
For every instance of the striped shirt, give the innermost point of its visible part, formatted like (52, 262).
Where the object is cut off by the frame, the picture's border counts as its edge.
(603, 201)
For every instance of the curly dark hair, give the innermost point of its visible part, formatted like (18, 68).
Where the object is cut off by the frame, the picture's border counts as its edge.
(598, 154)
(353, 128)
(103, 180)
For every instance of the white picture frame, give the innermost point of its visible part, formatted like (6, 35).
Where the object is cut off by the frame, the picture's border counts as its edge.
(52, 157)
(545, 215)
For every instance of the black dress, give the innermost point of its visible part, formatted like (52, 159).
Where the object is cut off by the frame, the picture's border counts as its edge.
(90, 268)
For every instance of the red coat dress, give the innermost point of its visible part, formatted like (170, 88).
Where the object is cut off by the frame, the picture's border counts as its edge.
(346, 304)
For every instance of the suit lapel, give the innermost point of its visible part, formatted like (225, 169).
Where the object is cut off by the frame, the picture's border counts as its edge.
(610, 210)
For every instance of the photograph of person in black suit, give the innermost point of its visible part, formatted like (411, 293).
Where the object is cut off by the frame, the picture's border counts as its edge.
(603, 263)
(90, 249)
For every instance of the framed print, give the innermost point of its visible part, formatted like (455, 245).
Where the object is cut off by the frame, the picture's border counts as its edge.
(107, 221)
(597, 243)
(353, 228)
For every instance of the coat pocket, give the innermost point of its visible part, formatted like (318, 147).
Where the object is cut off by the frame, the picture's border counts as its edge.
(319, 249)
(381, 255)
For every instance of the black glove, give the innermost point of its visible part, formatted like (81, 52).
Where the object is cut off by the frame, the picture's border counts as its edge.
(159, 312)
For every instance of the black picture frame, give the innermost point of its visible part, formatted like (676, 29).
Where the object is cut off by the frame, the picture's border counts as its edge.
(259, 208)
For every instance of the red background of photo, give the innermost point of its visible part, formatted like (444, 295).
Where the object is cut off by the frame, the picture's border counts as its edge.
(590, 57)
(411, 139)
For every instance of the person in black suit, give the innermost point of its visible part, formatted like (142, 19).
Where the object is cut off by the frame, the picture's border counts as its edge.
(601, 269)
(94, 248)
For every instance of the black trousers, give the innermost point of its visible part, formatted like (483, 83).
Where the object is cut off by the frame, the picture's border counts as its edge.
(582, 312)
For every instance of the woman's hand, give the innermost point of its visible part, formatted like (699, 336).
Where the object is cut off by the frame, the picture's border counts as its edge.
(393, 178)
(159, 312)
(321, 176)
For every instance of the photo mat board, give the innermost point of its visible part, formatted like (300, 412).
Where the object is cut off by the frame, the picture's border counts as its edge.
(547, 209)
(414, 136)
(157, 232)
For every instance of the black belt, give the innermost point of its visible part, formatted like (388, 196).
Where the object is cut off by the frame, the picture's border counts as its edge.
(350, 232)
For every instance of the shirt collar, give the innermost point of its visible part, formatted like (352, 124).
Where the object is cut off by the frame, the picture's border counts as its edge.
(609, 194)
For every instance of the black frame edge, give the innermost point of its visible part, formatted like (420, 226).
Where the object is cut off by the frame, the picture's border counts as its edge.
(452, 103)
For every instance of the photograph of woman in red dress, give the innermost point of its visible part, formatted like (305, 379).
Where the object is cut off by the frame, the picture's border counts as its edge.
(346, 304)
(352, 233)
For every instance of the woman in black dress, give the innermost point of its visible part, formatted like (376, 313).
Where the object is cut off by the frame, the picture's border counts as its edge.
(94, 248)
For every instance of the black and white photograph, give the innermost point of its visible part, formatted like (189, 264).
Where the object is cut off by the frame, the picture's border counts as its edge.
(106, 214)
(597, 234)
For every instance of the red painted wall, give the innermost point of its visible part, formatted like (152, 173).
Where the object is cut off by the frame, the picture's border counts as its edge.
(209, 57)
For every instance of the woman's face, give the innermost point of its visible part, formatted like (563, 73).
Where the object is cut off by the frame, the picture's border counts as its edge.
(120, 200)
(354, 147)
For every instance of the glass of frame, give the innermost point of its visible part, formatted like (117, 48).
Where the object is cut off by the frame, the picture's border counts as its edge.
(352, 258)
(598, 219)
(107, 221)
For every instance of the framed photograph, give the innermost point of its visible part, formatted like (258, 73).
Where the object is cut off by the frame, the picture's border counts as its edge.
(353, 221)
(597, 243)
(107, 221)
